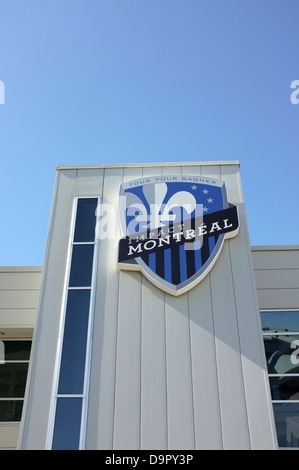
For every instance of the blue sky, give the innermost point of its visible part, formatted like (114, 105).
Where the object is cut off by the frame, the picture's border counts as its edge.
(121, 81)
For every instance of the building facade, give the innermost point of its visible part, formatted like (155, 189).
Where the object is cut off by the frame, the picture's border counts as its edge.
(148, 332)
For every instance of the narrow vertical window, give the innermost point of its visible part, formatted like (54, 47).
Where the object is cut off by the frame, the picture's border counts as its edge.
(72, 364)
(72, 382)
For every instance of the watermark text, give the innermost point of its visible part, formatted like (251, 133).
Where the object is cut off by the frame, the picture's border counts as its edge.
(295, 94)
(2, 92)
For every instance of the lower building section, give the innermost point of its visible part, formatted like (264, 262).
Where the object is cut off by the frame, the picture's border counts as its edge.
(277, 280)
(19, 290)
(98, 357)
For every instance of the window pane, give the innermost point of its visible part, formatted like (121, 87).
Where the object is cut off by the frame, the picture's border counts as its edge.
(67, 424)
(280, 321)
(282, 353)
(284, 388)
(85, 220)
(17, 350)
(74, 343)
(11, 410)
(13, 379)
(287, 424)
(81, 267)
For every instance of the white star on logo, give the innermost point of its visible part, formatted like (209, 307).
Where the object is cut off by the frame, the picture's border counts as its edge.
(193, 187)
(205, 191)
(210, 200)
(205, 209)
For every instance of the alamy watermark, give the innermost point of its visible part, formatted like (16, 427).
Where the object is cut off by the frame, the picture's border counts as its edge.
(158, 222)
(2, 92)
(295, 354)
(295, 94)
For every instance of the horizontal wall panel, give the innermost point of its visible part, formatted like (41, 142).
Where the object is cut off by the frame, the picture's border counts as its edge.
(9, 436)
(278, 298)
(18, 317)
(277, 279)
(275, 259)
(19, 299)
(20, 280)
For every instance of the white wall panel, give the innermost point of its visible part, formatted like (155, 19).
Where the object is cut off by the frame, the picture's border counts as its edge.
(278, 299)
(20, 279)
(103, 366)
(275, 259)
(18, 317)
(127, 386)
(248, 322)
(277, 278)
(178, 363)
(229, 366)
(228, 361)
(207, 419)
(89, 182)
(153, 361)
(179, 380)
(18, 299)
(153, 369)
(9, 435)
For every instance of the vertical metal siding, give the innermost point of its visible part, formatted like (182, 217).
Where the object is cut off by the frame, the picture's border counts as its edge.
(189, 369)
(167, 372)
(100, 428)
(153, 362)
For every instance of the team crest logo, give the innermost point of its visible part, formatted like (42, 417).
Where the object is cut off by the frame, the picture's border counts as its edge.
(174, 228)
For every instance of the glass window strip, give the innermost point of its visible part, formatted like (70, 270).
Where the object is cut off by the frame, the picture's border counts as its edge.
(83, 396)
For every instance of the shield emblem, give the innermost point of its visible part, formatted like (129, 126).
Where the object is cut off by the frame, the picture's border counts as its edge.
(174, 228)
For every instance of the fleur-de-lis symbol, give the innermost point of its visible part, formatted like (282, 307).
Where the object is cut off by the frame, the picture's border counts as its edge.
(154, 212)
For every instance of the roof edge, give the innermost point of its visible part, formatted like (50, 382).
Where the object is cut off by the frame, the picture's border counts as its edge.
(274, 247)
(9, 269)
(140, 165)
